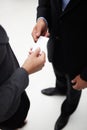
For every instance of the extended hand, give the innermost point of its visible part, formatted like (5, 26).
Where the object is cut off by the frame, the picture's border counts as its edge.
(40, 29)
(35, 61)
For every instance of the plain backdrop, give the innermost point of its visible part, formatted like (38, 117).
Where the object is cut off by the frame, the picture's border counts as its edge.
(18, 17)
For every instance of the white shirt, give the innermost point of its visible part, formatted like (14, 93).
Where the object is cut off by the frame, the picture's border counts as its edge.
(64, 3)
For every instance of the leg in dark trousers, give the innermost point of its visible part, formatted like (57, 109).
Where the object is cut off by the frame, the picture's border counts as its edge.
(17, 120)
(69, 105)
(71, 102)
(60, 85)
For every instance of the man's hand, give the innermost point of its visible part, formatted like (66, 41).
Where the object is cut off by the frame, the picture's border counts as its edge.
(40, 29)
(79, 83)
(35, 61)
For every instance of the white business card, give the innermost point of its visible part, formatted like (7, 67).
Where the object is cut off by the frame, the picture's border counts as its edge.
(42, 43)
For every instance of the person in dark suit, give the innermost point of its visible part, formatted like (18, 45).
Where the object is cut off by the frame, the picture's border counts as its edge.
(66, 27)
(14, 102)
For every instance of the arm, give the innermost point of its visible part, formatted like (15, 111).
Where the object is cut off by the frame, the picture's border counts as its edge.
(43, 20)
(43, 9)
(13, 87)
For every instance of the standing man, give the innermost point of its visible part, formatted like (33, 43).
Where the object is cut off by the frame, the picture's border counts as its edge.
(65, 22)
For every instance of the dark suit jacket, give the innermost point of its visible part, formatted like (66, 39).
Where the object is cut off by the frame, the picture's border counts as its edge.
(68, 31)
(13, 79)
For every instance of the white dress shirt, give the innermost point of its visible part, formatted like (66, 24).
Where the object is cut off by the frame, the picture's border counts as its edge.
(64, 3)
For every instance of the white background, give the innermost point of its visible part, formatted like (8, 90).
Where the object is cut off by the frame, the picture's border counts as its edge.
(18, 17)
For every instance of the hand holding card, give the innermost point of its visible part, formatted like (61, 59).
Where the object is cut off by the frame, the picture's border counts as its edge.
(42, 43)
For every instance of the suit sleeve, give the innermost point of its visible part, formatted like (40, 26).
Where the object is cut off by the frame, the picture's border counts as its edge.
(13, 79)
(43, 10)
(83, 75)
(11, 89)
(3, 52)
(12, 86)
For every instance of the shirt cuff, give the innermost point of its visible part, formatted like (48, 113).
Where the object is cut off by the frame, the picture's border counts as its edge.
(43, 19)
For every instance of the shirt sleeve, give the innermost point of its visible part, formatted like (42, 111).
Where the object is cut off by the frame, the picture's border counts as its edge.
(43, 19)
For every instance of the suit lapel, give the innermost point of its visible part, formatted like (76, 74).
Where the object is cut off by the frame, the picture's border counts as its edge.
(70, 6)
(59, 6)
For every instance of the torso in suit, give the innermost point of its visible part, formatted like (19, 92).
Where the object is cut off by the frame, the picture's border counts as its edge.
(68, 32)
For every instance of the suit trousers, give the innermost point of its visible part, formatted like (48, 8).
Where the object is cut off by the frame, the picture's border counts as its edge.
(17, 120)
(72, 98)
(63, 83)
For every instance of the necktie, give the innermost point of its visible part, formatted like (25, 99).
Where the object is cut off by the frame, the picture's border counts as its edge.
(64, 3)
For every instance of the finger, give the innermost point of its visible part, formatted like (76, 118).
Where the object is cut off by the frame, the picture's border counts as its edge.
(73, 81)
(43, 56)
(35, 34)
(76, 87)
(30, 51)
(37, 51)
(34, 37)
(47, 34)
(38, 34)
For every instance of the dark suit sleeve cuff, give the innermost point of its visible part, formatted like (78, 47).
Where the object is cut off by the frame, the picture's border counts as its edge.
(83, 75)
(20, 77)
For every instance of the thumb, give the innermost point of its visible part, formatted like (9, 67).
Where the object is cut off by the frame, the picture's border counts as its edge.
(37, 51)
(38, 34)
(47, 34)
(43, 55)
(74, 80)
(39, 30)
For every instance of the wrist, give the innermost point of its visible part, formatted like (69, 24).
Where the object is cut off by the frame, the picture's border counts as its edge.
(43, 20)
